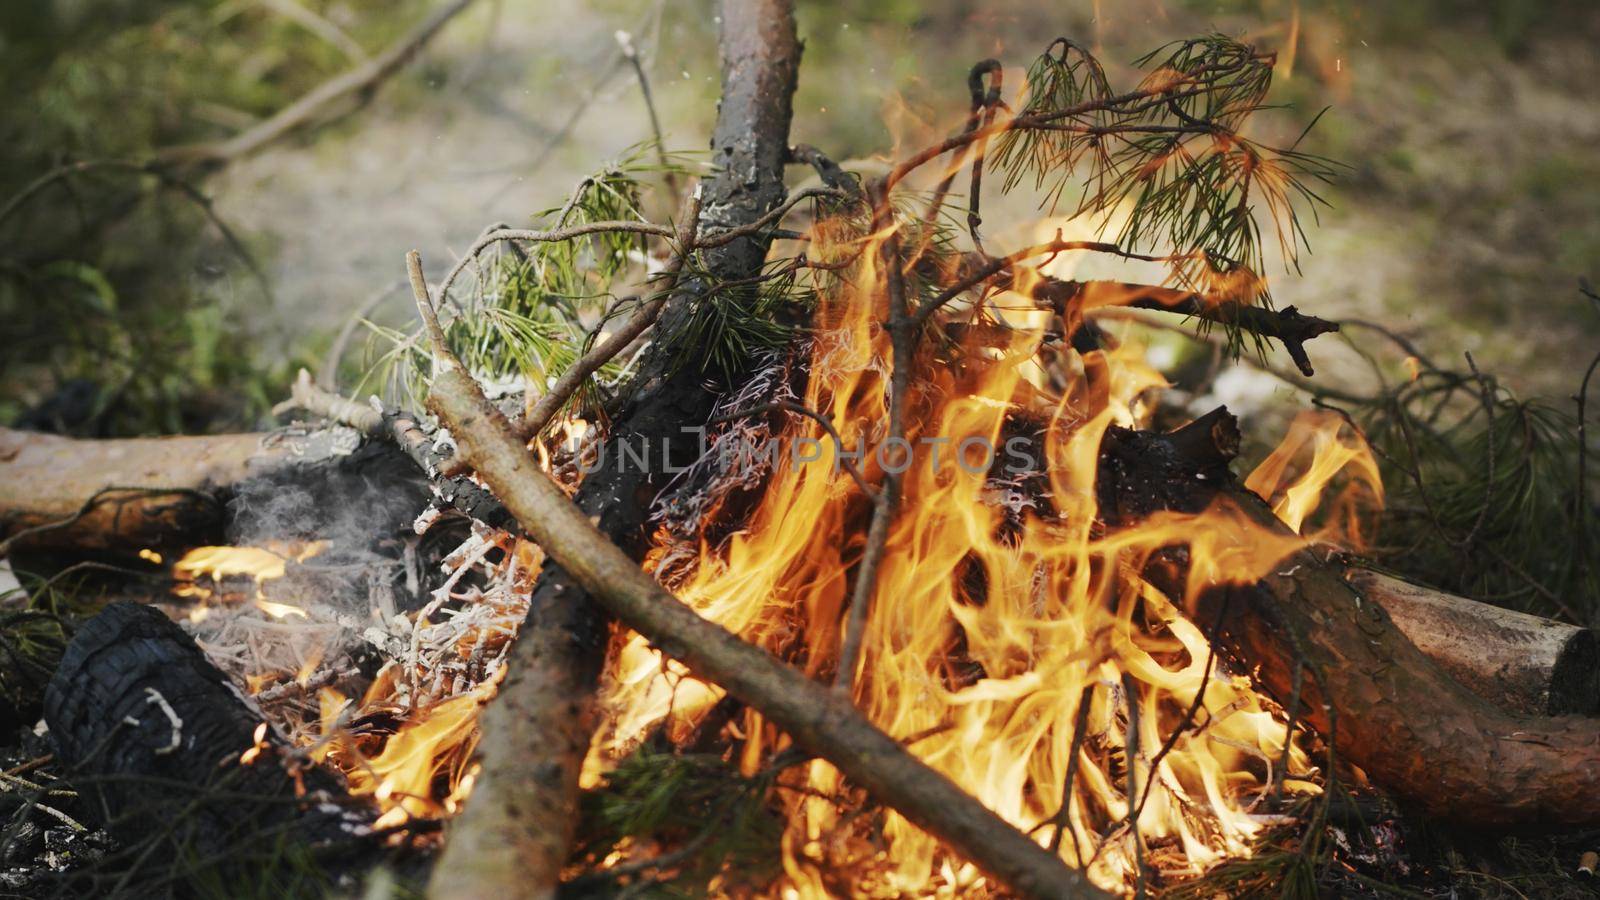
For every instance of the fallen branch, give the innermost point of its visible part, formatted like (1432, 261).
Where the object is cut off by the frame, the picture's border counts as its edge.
(361, 80)
(121, 495)
(820, 720)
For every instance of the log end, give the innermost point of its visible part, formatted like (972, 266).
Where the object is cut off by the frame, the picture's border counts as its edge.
(1575, 679)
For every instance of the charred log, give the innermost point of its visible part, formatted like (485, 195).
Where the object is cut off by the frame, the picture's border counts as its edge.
(1340, 663)
(168, 750)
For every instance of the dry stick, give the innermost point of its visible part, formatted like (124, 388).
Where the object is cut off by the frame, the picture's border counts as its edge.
(903, 330)
(625, 41)
(95, 500)
(1063, 819)
(1131, 698)
(319, 26)
(547, 406)
(1187, 722)
(991, 103)
(974, 119)
(1582, 499)
(65, 171)
(999, 267)
(822, 721)
(360, 80)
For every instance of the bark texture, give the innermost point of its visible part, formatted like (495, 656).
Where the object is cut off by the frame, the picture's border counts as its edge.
(1391, 710)
(1520, 663)
(820, 720)
(55, 488)
(517, 832)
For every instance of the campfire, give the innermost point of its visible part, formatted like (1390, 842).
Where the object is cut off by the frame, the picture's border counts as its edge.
(1021, 645)
(847, 533)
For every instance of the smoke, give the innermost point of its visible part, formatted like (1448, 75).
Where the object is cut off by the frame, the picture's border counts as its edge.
(360, 507)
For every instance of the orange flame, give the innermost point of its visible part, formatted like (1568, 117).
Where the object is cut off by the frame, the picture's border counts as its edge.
(989, 623)
(260, 563)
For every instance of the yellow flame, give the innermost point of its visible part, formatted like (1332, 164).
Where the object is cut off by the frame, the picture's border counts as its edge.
(434, 740)
(987, 627)
(263, 564)
(1335, 448)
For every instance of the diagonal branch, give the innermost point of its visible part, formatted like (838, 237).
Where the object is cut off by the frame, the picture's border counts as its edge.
(822, 721)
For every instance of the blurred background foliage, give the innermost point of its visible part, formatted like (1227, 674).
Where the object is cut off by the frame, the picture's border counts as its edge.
(121, 294)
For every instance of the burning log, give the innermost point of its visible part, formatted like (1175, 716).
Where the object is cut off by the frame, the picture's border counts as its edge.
(1523, 664)
(170, 749)
(1343, 665)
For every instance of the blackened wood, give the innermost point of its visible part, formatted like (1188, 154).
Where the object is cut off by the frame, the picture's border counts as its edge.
(154, 734)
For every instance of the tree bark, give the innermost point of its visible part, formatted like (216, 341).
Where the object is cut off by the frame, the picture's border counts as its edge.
(168, 489)
(1520, 663)
(516, 833)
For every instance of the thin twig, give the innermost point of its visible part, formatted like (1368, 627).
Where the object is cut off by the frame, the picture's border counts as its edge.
(542, 412)
(820, 419)
(1132, 752)
(625, 41)
(903, 333)
(317, 25)
(1063, 817)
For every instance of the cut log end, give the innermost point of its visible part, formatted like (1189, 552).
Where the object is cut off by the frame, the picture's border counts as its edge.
(1521, 663)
